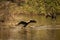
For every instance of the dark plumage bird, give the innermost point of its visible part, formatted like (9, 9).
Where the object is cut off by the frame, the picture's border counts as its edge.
(53, 16)
(26, 23)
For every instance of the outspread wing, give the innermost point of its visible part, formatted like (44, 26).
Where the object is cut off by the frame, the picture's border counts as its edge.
(22, 22)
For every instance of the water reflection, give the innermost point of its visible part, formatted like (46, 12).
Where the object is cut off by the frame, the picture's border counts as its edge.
(39, 31)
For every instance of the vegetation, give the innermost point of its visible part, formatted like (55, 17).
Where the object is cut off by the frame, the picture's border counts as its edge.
(38, 6)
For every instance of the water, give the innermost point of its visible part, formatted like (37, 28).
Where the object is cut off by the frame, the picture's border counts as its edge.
(34, 31)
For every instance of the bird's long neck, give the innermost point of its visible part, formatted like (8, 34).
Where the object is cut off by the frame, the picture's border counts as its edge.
(26, 24)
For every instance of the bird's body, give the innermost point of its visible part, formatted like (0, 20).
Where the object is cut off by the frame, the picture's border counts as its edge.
(26, 23)
(22, 22)
(53, 16)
